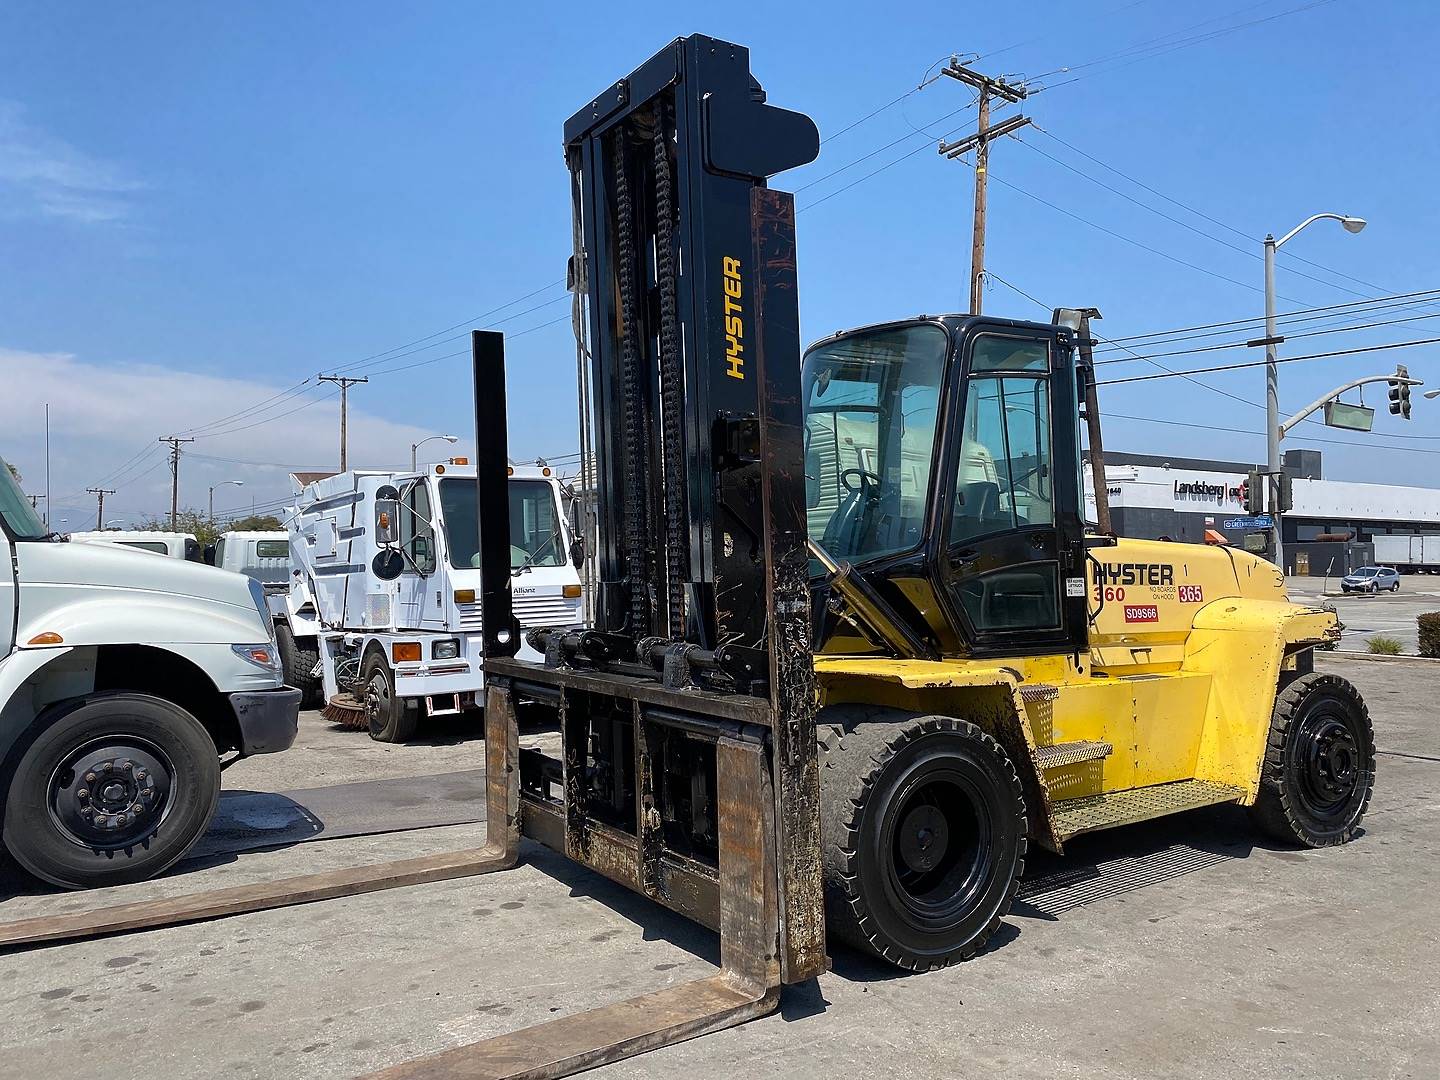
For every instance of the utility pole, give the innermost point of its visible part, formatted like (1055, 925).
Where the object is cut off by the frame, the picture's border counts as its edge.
(174, 475)
(344, 383)
(100, 493)
(987, 87)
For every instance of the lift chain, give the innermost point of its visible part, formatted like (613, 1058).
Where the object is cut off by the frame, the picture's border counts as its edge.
(672, 390)
(637, 516)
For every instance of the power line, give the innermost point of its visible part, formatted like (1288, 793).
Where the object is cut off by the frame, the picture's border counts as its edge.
(1297, 438)
(1279, 360)
(1283, 316)
(1250, 344)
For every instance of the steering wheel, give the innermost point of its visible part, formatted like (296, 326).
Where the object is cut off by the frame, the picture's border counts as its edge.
(868, 483)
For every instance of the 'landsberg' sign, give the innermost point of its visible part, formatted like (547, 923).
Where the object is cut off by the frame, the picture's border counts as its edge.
(1204, 491)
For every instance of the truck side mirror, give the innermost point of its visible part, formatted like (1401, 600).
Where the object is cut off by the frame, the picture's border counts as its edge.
(577, 552)
(387, 516)
(388, 564)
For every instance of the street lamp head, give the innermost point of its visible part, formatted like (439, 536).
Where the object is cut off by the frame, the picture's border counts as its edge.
(451, 438)
(1353, 224)
(1432, 393)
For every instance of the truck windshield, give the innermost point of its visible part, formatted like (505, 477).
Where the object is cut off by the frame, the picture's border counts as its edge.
(20, 517)
(870, 416)
(534, 525)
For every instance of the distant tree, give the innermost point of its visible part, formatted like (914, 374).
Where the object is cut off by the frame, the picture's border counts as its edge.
(195, 522)
(13, 472)
(256, 523)
(198, 524)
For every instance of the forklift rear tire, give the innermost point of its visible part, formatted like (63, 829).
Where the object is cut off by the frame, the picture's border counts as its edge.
(923, 834)
(1319, 768)
(297, 662)
(390, 718)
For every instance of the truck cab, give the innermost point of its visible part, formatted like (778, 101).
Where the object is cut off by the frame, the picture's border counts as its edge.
(123, 679)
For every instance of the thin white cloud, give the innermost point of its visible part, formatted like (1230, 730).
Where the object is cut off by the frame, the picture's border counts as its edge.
(43, 175)
(105, 419)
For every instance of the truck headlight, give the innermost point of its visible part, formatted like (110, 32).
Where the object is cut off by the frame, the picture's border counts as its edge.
(446, 649)
(263, 656)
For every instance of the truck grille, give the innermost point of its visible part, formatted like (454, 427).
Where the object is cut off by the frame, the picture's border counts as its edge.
(530, 610)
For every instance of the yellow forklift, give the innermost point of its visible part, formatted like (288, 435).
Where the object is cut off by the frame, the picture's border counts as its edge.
(853, 648)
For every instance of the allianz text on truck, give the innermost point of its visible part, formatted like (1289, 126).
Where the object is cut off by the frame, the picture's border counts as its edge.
(123, 678)
(382, 622)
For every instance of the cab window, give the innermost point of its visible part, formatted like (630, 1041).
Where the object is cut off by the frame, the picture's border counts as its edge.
(416, 533)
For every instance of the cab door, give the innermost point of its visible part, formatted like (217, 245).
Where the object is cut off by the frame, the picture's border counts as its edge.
(417, 541)
(1012, 560)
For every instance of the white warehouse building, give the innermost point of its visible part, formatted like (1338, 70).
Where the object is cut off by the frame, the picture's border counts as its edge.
(1331, 526)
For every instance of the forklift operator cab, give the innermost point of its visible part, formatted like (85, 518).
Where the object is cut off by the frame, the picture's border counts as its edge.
(943, 460)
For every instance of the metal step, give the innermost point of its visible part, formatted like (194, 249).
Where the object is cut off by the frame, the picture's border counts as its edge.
(1071, 753)
(1091, 812)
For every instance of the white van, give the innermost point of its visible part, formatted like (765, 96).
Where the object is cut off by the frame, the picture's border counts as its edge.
(174, 544)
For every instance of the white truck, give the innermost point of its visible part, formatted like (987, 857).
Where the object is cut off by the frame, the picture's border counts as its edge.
(176, 545)
(381, 624)
(123, 679)
(1409, 554)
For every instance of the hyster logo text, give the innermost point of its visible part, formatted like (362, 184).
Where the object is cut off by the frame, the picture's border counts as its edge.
(1135, 574)
(734, 321)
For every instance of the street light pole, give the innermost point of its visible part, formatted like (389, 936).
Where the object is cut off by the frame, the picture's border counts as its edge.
(416, 446)
(237, 483)
(1273, 431)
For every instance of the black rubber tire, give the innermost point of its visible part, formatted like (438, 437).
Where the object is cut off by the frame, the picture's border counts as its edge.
(1288, 806)
(873, 769)
(297, 661)
(395, 719)
(34, 834)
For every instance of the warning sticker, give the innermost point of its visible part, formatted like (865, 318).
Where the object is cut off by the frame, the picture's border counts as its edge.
(1142, 613)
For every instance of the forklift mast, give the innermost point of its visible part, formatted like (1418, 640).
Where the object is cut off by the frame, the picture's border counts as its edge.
(688, 266)
(688, 763)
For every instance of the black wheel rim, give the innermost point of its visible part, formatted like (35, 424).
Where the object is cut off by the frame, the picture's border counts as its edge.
(111, 793)
(937, 846)
(378, 699)
(1329, 763)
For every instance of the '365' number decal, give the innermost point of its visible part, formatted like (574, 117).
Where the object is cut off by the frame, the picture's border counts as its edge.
(1190, 594)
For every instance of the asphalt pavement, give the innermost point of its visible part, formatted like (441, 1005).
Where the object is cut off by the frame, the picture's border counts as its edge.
(1189, 947)
(1386, 615)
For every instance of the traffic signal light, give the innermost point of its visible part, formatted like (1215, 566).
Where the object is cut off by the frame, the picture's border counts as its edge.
(1255, 492)
(1286, 494)
(1400, 393)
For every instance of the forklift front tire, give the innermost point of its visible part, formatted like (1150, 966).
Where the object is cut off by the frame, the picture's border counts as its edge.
(390, 718)
(923, 832)
(1319, 767)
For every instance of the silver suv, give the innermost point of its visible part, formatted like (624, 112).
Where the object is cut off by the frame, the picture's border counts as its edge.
(1371, 579)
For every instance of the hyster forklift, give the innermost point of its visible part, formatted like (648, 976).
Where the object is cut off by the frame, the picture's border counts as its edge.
(852, 648)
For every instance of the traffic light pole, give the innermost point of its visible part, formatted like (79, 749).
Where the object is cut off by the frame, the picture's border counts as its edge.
(1400, 378)
(1273, 434)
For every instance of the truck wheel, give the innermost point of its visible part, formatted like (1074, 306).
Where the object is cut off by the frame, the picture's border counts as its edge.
(115, 788)
(297, 661)
(923, 835)
(391, 719)
(1319, 767)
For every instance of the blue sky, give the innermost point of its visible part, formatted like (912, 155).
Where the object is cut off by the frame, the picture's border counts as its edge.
(203, 205)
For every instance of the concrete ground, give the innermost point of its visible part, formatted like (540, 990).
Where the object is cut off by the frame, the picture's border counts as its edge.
(1389, 614)
(1217, 954)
